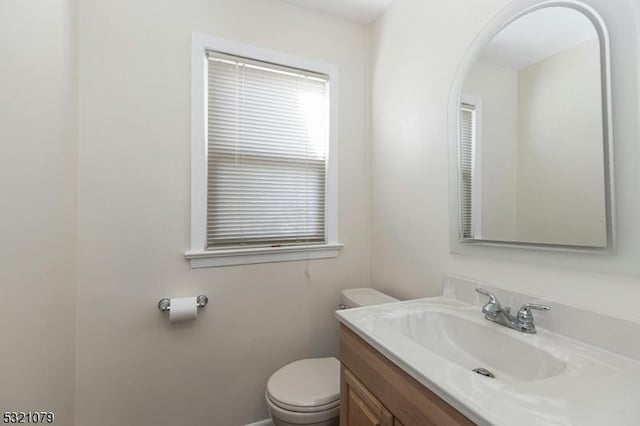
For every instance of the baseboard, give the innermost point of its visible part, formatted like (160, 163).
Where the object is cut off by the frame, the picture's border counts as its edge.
(265, 422)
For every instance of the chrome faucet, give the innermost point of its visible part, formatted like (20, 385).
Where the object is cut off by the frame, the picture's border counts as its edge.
(522, 321)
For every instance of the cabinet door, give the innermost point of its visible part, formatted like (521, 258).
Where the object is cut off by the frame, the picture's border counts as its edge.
(358, 407)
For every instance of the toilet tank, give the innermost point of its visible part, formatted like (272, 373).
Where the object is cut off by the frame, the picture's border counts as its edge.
(357, 297)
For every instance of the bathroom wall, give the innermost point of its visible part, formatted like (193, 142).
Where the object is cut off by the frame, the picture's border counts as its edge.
(134, 368)
(560, 160)
(37, 219)
(410, 192)
(497, 88)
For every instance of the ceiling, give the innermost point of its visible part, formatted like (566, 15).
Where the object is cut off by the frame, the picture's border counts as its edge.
(536, 36)
(363, 11)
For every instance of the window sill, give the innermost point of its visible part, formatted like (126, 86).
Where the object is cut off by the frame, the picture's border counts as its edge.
(248, 256)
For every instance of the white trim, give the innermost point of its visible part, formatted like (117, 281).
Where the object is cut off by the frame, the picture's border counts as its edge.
(476, 183)
(265, 422)
(229, 257)
(198, 254)
(506, 16)
(198, 148)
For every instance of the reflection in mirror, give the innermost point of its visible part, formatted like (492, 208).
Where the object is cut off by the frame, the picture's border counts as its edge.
(531, 135)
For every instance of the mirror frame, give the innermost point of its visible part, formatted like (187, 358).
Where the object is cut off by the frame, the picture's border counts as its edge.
(491, 29)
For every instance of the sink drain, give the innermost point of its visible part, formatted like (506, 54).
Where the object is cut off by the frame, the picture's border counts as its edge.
(484, 372)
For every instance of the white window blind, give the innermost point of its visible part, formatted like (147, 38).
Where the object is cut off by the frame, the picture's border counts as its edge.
(466, 149)
(268, 139)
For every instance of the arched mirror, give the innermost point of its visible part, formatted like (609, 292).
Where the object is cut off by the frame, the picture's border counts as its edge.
(533, 140)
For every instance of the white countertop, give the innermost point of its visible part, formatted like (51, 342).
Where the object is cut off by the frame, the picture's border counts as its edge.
(595, 387)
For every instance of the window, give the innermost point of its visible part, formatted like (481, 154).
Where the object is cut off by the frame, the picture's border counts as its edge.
(470, 178)
(263, 156)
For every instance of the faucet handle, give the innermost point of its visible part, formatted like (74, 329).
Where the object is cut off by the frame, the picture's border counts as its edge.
(525, 317)
(537, 307)
(491, 296)
(493, 307)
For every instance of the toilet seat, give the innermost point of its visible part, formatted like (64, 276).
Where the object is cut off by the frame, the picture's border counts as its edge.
(307, 385)
(307, 409)
(303, 418)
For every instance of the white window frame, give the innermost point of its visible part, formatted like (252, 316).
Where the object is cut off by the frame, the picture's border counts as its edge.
(476, 179)
(198, 254)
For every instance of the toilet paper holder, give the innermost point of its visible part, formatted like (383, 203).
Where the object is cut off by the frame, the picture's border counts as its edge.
(164, 305)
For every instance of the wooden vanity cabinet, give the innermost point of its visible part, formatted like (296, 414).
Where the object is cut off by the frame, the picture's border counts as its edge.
(376, 392)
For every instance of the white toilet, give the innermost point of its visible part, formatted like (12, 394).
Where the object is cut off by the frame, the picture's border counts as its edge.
(307, 392)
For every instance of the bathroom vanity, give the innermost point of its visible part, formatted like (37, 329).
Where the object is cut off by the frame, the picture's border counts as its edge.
(374, 391)
(441, 361)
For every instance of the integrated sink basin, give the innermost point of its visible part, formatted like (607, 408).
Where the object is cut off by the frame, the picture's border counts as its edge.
(496, 375)
(473, 345)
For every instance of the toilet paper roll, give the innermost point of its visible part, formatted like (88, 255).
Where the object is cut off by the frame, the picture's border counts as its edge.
(183, 309)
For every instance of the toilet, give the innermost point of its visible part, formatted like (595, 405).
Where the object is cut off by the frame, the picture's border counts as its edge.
(307, 391)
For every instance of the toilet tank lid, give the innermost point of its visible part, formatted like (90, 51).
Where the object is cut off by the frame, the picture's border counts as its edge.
(306, 383)
(356, 297)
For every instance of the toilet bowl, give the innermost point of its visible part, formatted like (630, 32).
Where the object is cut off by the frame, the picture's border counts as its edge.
(307, 392)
